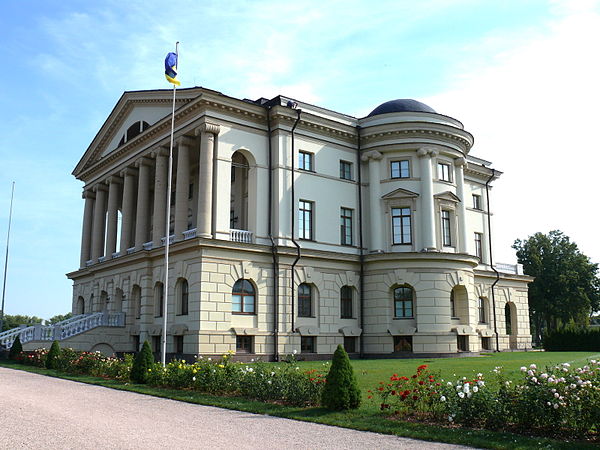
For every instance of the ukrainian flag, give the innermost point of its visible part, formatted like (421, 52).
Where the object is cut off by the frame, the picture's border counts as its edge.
(171, 68)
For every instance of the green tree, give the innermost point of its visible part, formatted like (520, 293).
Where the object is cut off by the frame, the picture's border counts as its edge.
(17, 320)
(15, 349)
(52, 356)
(566, 288)
(58, 318)
(341, 391)
(143, 361)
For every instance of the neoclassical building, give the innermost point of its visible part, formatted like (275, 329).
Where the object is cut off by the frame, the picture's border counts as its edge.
(293, 227)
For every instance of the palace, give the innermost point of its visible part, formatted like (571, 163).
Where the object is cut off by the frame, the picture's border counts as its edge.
(293, 227)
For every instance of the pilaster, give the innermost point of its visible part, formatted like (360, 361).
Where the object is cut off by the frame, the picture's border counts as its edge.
(376, 231)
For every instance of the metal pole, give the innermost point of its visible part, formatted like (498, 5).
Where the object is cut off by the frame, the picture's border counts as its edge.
(163, 358)
(6, 259)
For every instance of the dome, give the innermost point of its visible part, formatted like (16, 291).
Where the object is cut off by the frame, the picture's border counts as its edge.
(401, 105)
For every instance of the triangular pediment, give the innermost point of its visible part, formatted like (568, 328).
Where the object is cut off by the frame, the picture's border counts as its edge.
(448, 196)
(400, 193)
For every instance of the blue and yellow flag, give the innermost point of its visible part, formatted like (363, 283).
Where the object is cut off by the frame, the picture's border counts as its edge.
(171, 68)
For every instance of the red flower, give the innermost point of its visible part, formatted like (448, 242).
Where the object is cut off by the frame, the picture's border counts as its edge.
(414, 376)
(421, 382)
(380, 388)
(421, 368)
(404, 378)
(393, 392)
(415, 397)
(370, 396)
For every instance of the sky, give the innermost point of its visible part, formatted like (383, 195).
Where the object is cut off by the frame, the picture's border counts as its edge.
(521, 75)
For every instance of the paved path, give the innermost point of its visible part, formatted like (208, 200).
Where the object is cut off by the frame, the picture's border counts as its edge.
(49, 413)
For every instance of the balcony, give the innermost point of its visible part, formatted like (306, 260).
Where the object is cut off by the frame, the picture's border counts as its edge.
(514, 269)
(243, 236)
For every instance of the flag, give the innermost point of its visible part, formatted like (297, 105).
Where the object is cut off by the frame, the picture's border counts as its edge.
(171, 68)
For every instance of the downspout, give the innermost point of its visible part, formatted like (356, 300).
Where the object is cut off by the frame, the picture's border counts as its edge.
(274, 255)
(489, 213)
(292, 209)
(361, 296)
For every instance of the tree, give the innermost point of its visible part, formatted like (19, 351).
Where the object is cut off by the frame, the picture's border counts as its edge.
(341, 391)
(52, 356)
(144, 360)
(58, 318)
(17, 320)
(566, 288)
(15, 349)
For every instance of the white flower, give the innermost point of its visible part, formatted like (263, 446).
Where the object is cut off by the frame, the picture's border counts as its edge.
(193, 378)
(272, 374)
(555, 406)
(481, 383)
(548, 403)
(475, 388)
(466, 388)
(449, 383)
(566, 365)
(294, 351)
(479, 375)
(250, 369)
(544, 376)
(530, 373)
(458, 388)
(533, 366)
(269, 381)
(450, 419)
(469, 395)
(556, 395)
(209, 359)
(534, 379)
(461, 394)
(523, 369)
(442, 398)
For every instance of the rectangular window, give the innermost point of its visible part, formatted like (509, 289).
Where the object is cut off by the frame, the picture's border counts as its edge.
(136, 342)
(401, 226)
(403, 302)
(400, 169)
(346, 302)
(304, 300)
(307, 344)
(350, 344)
(485, 343)
(462, 343)
(178, 344)
(446, 234)
(403, 344)
(346, 226)
(478, 248)
(156, 344)
(444, 172)
(305, 161)
(345, 170)
(243, 344)
(476, 201)
(305, 218)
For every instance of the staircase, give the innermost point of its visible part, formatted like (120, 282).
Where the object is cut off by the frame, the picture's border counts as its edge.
(62, 330)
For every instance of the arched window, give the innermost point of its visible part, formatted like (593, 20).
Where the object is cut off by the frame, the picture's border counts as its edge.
(304, 300)
(346, 302)
(243, 298)
(136, 302)
(159, 299)
(508, 319)
(452, 304)
(482, 310)
(183, 292)
(403, 302)
(80, 306)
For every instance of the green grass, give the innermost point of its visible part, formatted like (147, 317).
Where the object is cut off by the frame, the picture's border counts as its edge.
(368, 417)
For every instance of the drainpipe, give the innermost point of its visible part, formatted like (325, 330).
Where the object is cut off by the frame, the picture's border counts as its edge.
(361, 297)
(274, 255)
(489, 212)
(298, 250)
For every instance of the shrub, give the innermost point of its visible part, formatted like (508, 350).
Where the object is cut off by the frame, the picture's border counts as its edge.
(143, 361)
(15, 349)
(572, 338)
(52, 359)
(341, 390)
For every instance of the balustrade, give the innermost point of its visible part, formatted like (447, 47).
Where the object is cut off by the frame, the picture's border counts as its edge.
(243, 236)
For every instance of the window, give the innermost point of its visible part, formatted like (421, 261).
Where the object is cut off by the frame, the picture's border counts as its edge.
(184, 294)
(446, 234)
(159, 299)
(243, 297)
(400, 169)
(178, 344)
(136, 342)
(402, 344)
(481, 310)
(452, 304)
(403, 302)
(486, 343)
(401, 226)
(305, 161)
(476, 201)
(462, 343)
(346, 226)
(345, 170)
(350, 344)
(346, 302)
(305, 217)
(307, 344)
(478, 248)
(156, 344)
(444, 172)
(243, 344)
(508, 319)
(304, 300)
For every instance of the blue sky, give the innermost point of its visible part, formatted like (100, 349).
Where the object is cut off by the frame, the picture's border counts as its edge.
(521, 75)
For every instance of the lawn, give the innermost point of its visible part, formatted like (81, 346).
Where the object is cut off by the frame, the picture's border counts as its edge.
(368, 417)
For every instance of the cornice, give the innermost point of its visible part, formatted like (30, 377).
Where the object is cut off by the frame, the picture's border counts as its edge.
(418, 132)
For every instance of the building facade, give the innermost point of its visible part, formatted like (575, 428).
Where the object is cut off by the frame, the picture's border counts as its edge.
(292, 227)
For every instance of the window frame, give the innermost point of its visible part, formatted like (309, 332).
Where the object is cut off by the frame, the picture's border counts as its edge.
(346, 174)
(346, 228)
(158, 309)
(477, 202)
(346, 302)
(479, 245)
(453, 314)
(306, 159)
(407, 348)
(481, 310)
(244, 344)
(178, 343)
(446, 221)
(308, 344)
(306, 210)
(402, 217)
(443, 171)
(305, 299)
(350, 344)
(184, 297)
(243, 295)
(400, 303)
(400, 169)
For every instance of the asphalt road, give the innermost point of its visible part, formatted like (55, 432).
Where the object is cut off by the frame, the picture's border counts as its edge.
(49, 413)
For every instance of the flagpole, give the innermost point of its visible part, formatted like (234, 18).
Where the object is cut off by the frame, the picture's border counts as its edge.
(163, 358)
(6, 259)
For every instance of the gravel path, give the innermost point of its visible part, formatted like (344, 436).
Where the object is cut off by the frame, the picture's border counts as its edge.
(49, 413)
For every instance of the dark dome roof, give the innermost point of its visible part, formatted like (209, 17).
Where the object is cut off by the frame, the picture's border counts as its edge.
(401, 105)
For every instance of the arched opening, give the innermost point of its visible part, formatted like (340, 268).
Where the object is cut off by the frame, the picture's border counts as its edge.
(404, 299)
(346, 302)
(483, 310)
(183, 294)
(459, 304)
(305, 301)
(159, 299)
(104, 301)
(80, 305)
(510, 318)
(136, 301)
(238, 214)
(243, 297)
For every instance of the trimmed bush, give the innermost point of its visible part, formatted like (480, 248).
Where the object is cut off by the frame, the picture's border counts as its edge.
(144, 360)
(15, 349)
(52, 360)
(341, 390)
(571, 339)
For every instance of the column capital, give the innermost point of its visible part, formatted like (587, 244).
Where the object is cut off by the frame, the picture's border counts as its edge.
(100, 187)
(114, 179)
(144, 160)
(128, 171)
(88, 193)
(159, 151)
(186, 140)
(373, 155)
(460, 162)
(206, 127)
(427, 152)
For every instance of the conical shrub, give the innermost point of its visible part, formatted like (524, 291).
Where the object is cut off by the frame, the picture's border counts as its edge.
(143, 361)
(53, 355)
(15, 349)
(341, 390)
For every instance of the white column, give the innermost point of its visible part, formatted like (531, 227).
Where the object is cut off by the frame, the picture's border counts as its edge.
(459, 164)
(205, 179)
(128, 210)
(86, 232)
(375, 213)
(427, 207)
(114, 192)
(142, 219)
(98, 229)
(160, 198)
(182, 185)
